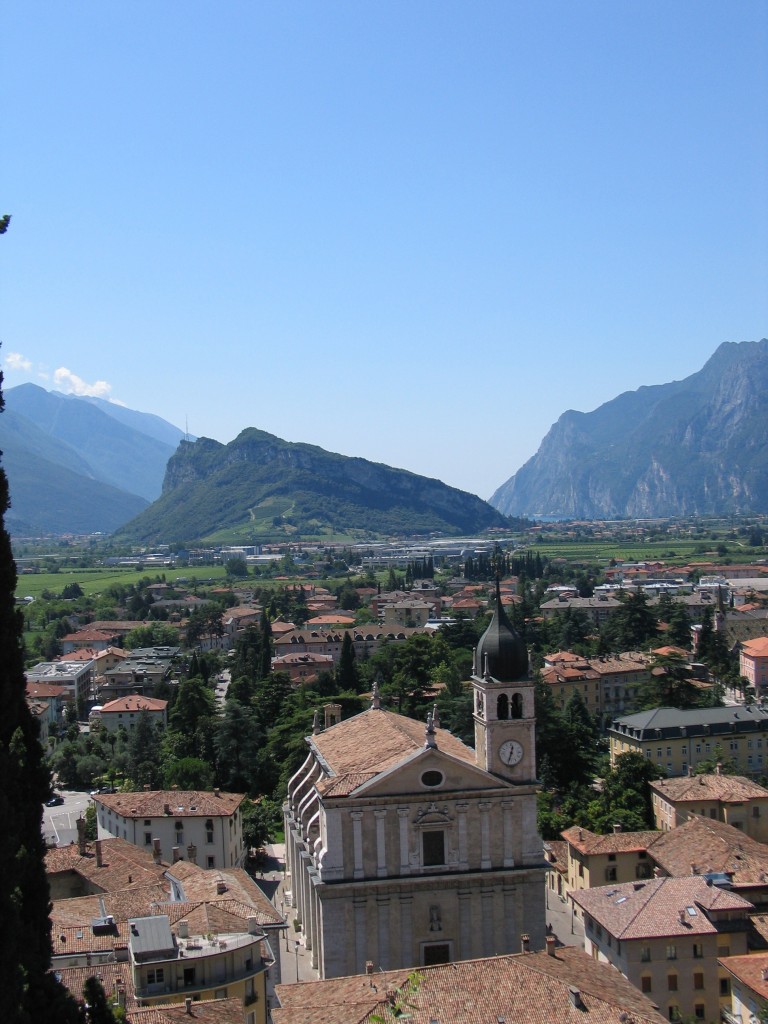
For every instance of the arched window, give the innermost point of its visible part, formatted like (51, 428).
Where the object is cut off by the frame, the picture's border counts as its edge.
(502, 707)
(517, 706)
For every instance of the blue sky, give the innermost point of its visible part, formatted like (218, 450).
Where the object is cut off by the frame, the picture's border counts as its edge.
(415, 232)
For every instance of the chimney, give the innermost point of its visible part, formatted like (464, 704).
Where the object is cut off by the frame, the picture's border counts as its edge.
(166, 808)
(253, 926)
(718, 769)
(525, 943)
(192, 853)
(99, 854)
(176, 852)
(183, 929)
(188, 1006)
(616, 828)
(369, 966)
(81, 836)
(217, 792)
(575, 996)
(120, 992)
(156, 852)
(551, 944)
(221, 888)
(693, 869)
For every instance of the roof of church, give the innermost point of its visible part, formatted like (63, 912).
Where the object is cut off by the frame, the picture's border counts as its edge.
(364, 746)
(534, 987)
(506, 653)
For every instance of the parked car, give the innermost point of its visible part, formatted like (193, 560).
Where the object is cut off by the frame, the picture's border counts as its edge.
(103, 789)
(56, 800)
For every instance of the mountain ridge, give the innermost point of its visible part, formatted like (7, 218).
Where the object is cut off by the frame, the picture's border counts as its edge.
(692, 447)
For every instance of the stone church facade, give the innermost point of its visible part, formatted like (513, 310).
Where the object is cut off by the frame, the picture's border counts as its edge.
(405, 847)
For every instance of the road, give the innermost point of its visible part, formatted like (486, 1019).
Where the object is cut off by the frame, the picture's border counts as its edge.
(59, 826)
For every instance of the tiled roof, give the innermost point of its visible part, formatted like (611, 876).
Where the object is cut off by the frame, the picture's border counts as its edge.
(653, 909)
(241, 889)
(210, 1011)
(134, 702)
(704, 846)
(44, 690)
(376, 740)
(73, 978)
(757, 648)
(615, 842)
(122, 904)
(751, 971)
(122, 864)
(694, 789)
(181, 803)
(532, 988)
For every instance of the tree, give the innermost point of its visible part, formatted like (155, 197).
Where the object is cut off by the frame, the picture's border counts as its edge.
(144, 752)
(28, 992)
(188, 773)
(632, 625)
(237, 567)
(97, 1009)
(626, 795)
(347, 677)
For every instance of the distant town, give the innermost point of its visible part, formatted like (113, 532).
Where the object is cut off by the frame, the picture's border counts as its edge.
(401, 774)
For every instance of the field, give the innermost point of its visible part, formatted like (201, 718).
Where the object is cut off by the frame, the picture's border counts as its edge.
(96, 580)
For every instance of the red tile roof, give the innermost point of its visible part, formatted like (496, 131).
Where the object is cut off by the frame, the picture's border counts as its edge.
(180, 803)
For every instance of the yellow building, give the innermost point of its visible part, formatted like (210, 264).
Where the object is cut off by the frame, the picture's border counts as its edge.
(732, 799)
(678, 740)
(600, 860)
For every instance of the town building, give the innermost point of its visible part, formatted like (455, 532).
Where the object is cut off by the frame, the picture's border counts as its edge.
(158, 933)
(405, 847)
(124, 712)
(677, 740)
(733, 799)
(75, 677)
(140, 672)
(304, 668)
(665, 935)
(753, 663)
(594, 860)
(193, 825)
(552, 987)
(749, 988)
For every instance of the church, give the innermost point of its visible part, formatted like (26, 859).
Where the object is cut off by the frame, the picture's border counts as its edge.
(405, 847)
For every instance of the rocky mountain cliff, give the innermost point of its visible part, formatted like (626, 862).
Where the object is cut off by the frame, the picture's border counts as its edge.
(259, 485)
(693, 447)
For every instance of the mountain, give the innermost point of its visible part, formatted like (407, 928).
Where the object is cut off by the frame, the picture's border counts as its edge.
(125, 454)
(693, 447)
(259, 485)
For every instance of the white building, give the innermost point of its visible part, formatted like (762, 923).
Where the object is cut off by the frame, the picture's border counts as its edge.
(126, 711)
(202, 827)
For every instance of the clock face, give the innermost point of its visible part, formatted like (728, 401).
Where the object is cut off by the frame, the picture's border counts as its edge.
(511, 752)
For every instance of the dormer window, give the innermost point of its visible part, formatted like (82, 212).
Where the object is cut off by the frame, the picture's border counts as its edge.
(432, 779)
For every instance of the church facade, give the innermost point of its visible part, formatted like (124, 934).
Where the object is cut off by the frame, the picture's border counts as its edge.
(405, 847)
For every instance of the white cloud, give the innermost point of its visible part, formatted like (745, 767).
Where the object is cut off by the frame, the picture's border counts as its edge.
(16, 361)
(71, 384)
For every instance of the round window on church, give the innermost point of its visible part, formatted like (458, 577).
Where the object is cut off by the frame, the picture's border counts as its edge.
(432, 779)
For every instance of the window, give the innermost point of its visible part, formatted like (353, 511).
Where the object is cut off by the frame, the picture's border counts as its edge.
(698, 980)
(611, 856)
(433, 847)
(755, 812)
(725, 986)
(645, 954)
(674, 1013)
(437, 953)
(723, 950)
(645, 983)
(189, 976)
(211, 862)
(671, 952)
(672, 982)
(698, 950)
(432, 779)
(156, 976)
(698, 1011)
(502, 707)
(147, 838)
(147, 821)
(610, 874)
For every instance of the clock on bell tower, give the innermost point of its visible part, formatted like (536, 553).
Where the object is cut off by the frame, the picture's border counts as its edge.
(504, 709)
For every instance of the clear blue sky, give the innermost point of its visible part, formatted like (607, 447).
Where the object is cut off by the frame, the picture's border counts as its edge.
(411, 231)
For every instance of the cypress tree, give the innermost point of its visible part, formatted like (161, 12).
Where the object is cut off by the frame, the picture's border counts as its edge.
(28, 992)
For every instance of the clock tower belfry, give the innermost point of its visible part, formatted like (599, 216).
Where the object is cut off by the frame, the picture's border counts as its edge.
(505, 724)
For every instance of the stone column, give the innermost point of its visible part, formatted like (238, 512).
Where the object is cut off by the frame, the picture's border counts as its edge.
(403, 814)
(487, 903)
(461, 813)
(408, 955)
(382, 915)
(357, 842)
(362, 952)
(509, 849)
(381, 842)
(485, 835)
(466, 948)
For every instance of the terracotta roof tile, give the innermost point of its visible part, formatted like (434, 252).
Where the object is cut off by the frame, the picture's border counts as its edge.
(210, 1011)
(182, 803)
(652, 909)
(533, 988)
(122, 864)
(376, 740)
(615, 842)
(711, 847)
(725, 788)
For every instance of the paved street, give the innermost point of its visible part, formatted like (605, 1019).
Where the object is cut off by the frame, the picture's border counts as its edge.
(59, 826)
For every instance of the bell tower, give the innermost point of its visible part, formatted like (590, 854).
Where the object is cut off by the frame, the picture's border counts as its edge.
(505, 741)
